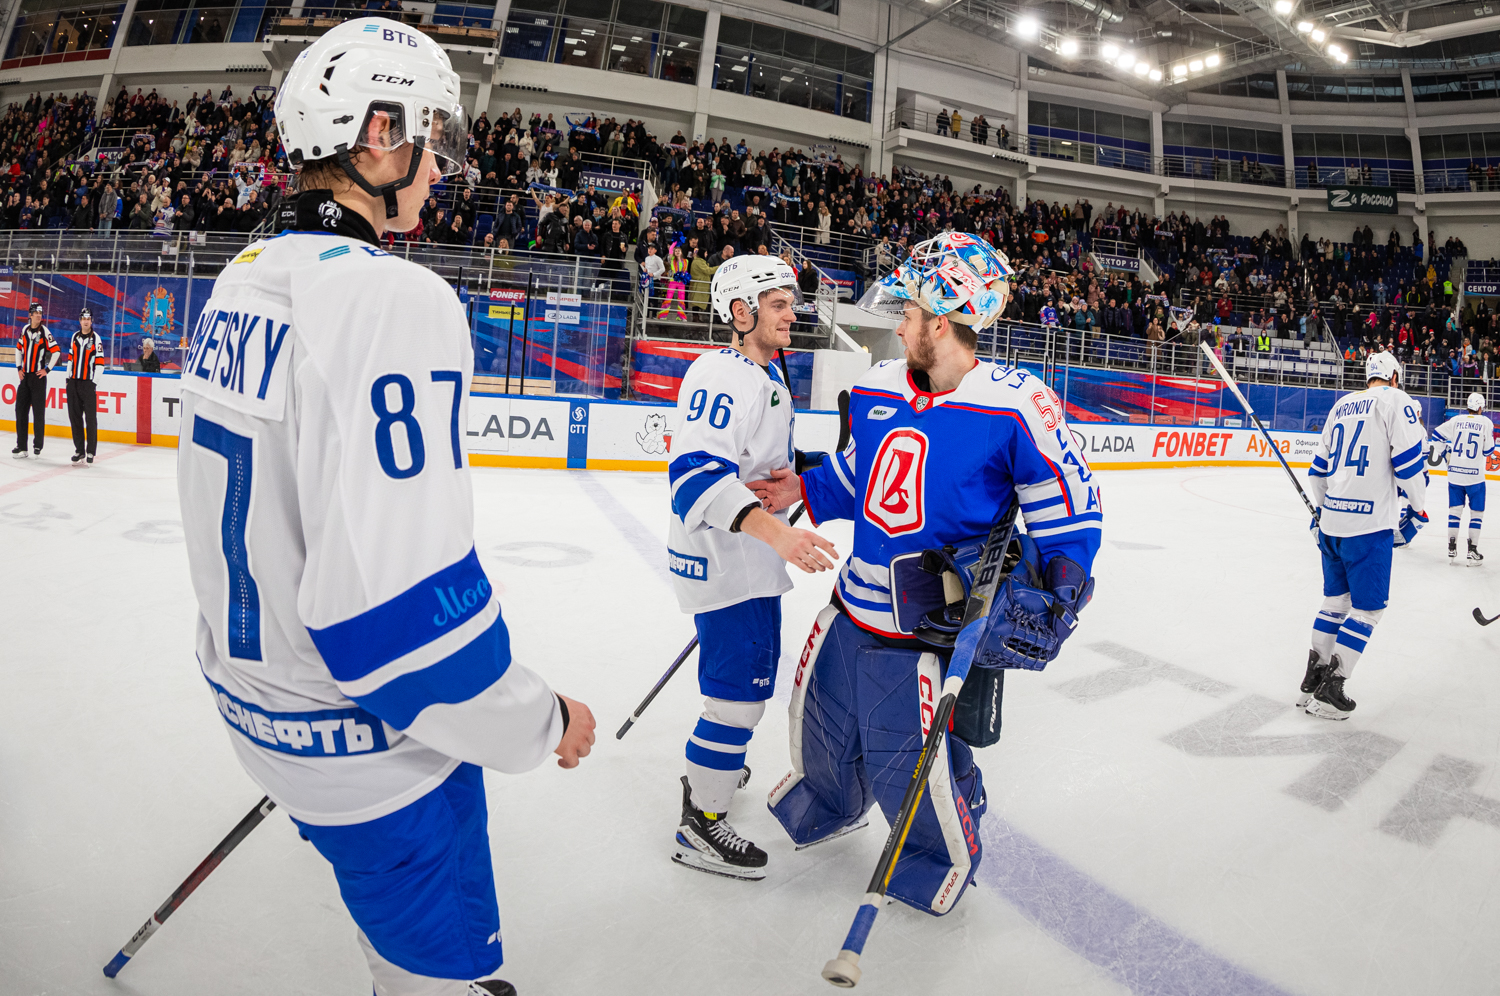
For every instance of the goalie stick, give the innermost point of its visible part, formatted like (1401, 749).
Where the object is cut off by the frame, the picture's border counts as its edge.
(179, 895)
(1234, 389)
(844, 970)
(1479, 617)
(843, 443)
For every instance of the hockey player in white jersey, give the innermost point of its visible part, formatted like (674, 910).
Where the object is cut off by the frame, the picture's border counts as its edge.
(1372, 452)
(727, 554)
(347, 631)
(1469, 441)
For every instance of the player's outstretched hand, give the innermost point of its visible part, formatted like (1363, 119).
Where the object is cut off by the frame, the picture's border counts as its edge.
(577, 741)
(805, 549)
(783, 490)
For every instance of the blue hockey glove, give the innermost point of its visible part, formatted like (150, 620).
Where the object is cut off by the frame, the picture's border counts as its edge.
(807, 460)
(1406, 528)
(1034, 611)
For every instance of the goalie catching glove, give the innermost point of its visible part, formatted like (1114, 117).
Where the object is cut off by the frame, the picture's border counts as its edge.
(1034, 611)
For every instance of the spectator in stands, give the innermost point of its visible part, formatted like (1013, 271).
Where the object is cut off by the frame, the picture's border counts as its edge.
(510, 225)
(586, 241)
(150, 362)
(142, 218)
(83, 215)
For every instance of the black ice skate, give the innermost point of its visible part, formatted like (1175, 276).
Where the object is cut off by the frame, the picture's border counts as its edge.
(707, 842)
(19, 453)
(1329, 701)
(1453, 549)
(77, 458)
(1476, 558)
(492, 987)
(1317, 670)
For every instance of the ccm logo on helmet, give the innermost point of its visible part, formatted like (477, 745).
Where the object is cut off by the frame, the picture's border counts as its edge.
(398, 80)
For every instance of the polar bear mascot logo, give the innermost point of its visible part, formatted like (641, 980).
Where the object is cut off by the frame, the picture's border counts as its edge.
(653, 439)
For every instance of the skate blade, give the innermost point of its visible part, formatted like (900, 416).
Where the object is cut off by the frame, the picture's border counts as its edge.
(836, 834)
(1325, 711)
(1304, 699)
(695, 860)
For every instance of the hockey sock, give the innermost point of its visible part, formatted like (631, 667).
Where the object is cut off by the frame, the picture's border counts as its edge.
(1476, 519)
(716, 751)
(1455, 519)
(1326, 624)
(1354, 636)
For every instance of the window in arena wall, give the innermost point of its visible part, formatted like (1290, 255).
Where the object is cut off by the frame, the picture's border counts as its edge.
(1323, 158)
(772, 63)
(1453, 153)
(1345, 89)
(44, 29)
(641, 37)
(1081, 134)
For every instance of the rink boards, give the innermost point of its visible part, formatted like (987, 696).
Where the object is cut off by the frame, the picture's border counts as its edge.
(579, 433)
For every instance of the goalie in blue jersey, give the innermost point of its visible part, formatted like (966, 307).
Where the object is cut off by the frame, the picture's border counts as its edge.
(941, 443)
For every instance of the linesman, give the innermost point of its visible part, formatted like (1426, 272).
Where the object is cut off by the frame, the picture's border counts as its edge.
(83, 401)
(36, 352)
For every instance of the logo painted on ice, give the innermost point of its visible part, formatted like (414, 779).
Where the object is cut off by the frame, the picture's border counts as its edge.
(455, 604)
(894, 496)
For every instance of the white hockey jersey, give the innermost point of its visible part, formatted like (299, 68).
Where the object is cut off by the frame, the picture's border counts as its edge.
(1470, 439)
(1372, 444)
(734, 421)
(353, 644)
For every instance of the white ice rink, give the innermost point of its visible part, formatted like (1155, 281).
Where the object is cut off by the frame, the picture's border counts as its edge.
(1161, 819)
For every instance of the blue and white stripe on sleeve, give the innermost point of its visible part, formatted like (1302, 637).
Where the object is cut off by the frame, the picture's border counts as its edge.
(1408, 463)
(441, 641)
(696, 479)
(1319, 467)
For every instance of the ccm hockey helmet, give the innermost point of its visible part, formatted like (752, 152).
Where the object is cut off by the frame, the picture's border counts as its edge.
(954, 274)
(1476, 402)
(1382, 366)
(745, 278)
(377, 84)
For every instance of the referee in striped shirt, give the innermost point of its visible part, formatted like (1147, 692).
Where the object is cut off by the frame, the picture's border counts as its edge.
(36, 351)
(83, 402)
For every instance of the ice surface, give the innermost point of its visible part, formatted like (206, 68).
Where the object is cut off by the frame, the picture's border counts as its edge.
(1162, 821)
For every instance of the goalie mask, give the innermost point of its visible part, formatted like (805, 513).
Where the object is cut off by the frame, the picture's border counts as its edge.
(373, 83)
(955, 274)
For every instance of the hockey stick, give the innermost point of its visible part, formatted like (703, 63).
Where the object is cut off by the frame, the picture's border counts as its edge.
(844, 970)
(843, 443)
(179, 895)
(1234, 388)
(1479, 617)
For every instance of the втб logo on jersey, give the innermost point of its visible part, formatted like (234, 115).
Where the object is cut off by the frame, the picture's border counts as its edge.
(894, 496)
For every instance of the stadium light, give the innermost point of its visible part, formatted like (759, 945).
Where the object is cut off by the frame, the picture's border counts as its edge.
(1068, 47)
(1196, 66)
(1141, 69)
(1284, 7)
(1155, 76)
(1126, 61)
(1178, 72)
(1110, 51)
(1341, 57)
(1304, 26)
(1318, 35)
(1026, 27)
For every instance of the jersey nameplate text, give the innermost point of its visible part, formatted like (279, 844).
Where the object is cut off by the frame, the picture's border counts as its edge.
(240, 356)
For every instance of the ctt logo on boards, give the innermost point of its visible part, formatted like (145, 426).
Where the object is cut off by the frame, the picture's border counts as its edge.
(894, 499)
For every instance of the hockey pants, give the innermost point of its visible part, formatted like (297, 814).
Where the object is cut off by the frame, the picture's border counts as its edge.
(31, 398)
(856, 721)
(83, 413)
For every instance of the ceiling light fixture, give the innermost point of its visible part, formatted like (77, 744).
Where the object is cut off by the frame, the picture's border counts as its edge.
(1196, 66)
(1284, 7)
(1126, 61)
(1141, 69)
(1110, 51)
(1155, 76)
(1026, 27)
(1318, 35)
(1179, 71)
(1068, 47)
(1304, 26)
(1211, 60)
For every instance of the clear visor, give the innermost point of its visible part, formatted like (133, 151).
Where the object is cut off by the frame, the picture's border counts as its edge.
(885, 297)
(445, 132)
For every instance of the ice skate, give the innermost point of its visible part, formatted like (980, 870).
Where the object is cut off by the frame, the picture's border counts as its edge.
(1329, 701)
(492, 987)
(1316, 672)
(1476, 559)
(1452, 550)
(707, 842)
(858, 824)
(19, 453)
(77, 458)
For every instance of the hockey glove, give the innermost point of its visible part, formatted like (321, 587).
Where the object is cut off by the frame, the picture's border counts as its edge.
(1406, 528)
(807, 460)
(1034, 611)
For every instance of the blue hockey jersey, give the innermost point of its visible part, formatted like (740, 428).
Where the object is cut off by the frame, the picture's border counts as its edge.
(933, 469)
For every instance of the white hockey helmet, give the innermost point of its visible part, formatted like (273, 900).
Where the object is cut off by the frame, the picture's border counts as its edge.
(373, 83)
(1476, 402)
(746, 278)
(1381, 366)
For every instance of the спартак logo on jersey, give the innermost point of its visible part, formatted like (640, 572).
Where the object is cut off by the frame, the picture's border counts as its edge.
(894, 496)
